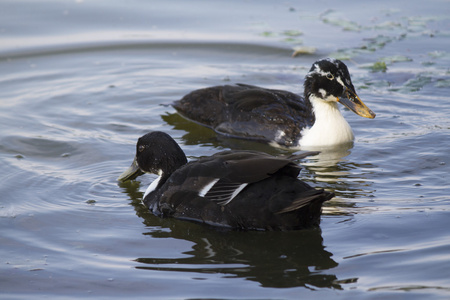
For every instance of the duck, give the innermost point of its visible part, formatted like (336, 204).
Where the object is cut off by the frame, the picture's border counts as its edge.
(238, 190)
(278, 117)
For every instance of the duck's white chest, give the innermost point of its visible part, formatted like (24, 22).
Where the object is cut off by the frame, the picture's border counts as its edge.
(330, 127)
(153, 185)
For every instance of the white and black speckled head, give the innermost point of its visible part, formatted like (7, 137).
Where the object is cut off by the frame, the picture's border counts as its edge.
(329, 80)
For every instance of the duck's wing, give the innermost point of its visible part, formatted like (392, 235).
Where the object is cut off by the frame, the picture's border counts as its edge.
(250, 112)
(243, 97)
(221, 177)
(249, 97)
(266, 115)
(222, 191)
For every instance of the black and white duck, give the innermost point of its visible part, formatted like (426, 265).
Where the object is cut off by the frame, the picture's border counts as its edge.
(244, 190)
(281, 117)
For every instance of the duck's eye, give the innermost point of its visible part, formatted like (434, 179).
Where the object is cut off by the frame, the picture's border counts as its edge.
(330, 76)
(141, 148)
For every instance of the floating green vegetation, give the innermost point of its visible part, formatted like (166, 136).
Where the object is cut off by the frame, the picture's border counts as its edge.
(390, 31)
(288, 36)
(418, 82)
(388, 25)
(382, 64)
(370, 45)
(293, 41)
(415, 84)
(419, 23)
(395, 59)
(443, 83)
(345, 54)
(332, 18)
(374, 84)
(268, 34)
(439, 54)
(379, 66)
(428, 63)
(286, 33)
(292, 33)
(378, 42)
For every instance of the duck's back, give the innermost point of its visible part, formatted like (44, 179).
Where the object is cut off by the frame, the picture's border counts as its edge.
(279, 203)
(249, 112)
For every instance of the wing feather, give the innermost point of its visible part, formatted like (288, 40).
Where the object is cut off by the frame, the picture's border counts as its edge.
(224, 191)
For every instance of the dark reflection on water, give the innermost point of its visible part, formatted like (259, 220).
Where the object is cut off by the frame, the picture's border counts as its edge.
(274, 259)
(343, 178)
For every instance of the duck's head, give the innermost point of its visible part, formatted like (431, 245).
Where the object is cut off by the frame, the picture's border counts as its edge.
(156, 152)
(329, 80)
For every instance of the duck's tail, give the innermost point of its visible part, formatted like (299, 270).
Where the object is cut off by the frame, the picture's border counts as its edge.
(309, 197)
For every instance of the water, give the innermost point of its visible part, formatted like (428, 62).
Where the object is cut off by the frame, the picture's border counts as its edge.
(81, 81)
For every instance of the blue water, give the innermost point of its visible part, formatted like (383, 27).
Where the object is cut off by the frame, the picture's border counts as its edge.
(80, 81)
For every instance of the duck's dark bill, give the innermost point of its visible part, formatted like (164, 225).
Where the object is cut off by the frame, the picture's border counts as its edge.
(352, 102)
(132, 172)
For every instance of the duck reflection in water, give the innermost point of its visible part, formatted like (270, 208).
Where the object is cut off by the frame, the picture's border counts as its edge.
(274, 259)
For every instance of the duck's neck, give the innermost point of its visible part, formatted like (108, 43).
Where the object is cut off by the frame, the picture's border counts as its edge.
(330, 127)
(166, 166)
(155, 184)
(151, 199)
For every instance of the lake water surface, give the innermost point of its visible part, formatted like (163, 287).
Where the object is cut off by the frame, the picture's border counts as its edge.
(80, 81)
